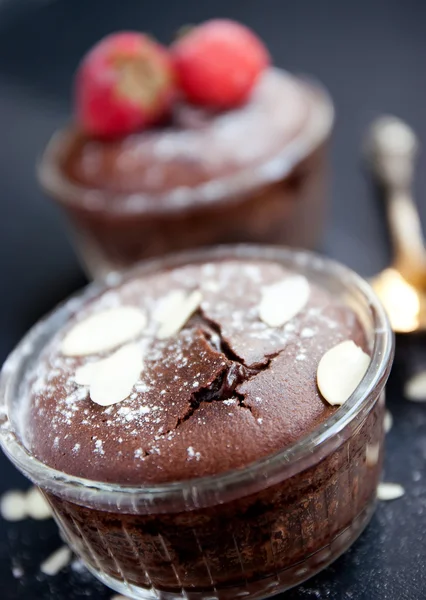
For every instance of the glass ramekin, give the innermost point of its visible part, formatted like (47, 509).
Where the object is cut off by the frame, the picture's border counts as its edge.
(281, 201)
(247, 533)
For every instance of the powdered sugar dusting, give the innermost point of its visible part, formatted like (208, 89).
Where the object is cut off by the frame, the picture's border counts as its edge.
(166, 404)
(213, 146)
(99, 447)
(192, 454)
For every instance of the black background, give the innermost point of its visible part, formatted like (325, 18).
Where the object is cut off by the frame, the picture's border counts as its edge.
(371, 54)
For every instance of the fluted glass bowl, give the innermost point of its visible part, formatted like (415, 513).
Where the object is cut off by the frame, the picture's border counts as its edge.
(247, 533)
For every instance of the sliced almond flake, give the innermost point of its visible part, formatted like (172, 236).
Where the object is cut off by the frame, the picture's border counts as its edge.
(114, 377)
(167, 305)
(340, 371)
(56, 561)
(119, 597)
(178, 314)
(84, 374)
(37, 506)
(283, 300)
(211, 285)
(415, 388)
(13, 506)
(104, 331)
(387, 421)
(372, 453)
(389, 491)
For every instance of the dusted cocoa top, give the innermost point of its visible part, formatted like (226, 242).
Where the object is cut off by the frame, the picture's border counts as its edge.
(219, 384)
(197, 146)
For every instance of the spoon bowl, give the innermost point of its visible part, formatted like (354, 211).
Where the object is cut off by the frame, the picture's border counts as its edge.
(404, 304)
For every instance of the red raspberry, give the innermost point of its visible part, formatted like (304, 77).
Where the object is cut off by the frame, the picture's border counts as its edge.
(125, 83)
(218, 63)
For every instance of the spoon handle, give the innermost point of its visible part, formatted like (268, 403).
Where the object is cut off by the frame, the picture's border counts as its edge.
(406, 235)
(392, 148)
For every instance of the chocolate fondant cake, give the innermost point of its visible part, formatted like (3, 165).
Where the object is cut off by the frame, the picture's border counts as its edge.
(254, 173)
(177, 380)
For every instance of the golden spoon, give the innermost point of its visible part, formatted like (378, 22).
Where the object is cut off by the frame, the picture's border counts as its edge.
(391, 149)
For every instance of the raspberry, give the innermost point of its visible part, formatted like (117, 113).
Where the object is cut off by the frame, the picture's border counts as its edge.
(218, 63)
(126, 82)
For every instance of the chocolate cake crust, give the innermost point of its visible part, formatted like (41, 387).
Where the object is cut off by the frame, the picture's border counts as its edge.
(226, 390)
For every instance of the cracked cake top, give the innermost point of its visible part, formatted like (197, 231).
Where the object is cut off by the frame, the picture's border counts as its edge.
(185, 372)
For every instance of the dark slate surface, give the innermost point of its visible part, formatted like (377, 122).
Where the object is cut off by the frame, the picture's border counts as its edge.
(372, 56)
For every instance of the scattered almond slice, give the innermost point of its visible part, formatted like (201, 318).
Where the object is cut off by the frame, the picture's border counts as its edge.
(415, 388)
(113, 378)
(179, 310)
(56, 561)
(387, 421)
(17, 571)
(283, 300)
(17, 506)
(119, 597)
(104, 331)
(13, 506)
(372, 453)
(389, 491)
(340, 371)
(37, 506)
